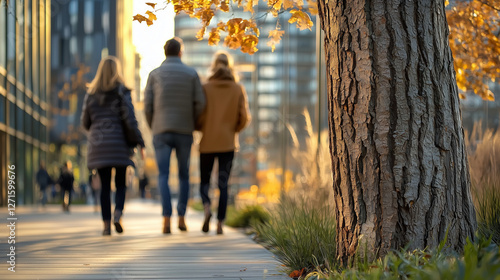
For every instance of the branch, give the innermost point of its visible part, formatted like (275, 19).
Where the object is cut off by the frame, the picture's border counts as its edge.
(489, 5)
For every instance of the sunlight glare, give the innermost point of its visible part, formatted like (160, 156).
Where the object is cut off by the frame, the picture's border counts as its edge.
(149, 40)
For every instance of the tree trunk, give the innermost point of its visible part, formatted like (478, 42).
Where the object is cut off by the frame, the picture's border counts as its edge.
(399, 162)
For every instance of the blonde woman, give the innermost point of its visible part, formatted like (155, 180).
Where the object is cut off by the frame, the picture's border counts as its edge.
(108, 115)
(225, 115)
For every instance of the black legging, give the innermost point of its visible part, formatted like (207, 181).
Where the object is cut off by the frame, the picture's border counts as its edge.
(105, 175)
(206, 165)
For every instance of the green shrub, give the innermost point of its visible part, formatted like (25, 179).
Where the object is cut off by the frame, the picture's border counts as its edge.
(196, 205)
(300, 235)
(480, 260)
(244, 217)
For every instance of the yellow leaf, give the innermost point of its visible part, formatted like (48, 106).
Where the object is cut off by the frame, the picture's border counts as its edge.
(275, 38)
(149, 22)
(232, 42)
(151, 4)
(249, 6)
(275, 4)
(446, 3)
(249, 44)
(461, 96)
(214, 37)
(312, 7)
(301, 18)
(221, 26)
(200, 34)
(287, 4)
(223, 6)
(151, 15)
(490, 96)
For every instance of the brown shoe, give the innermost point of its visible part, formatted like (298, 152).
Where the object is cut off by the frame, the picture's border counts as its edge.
(166, 225)
(182, 224)
(107, 228)
(208, 215)
(219, 227)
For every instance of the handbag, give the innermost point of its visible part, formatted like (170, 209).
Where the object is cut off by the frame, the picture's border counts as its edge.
(129, 130)
(95, 181)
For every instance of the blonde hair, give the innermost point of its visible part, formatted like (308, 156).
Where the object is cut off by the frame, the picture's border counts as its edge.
(222, 60)
(107, 77)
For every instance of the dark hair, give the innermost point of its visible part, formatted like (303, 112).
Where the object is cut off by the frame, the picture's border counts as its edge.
(173, 46)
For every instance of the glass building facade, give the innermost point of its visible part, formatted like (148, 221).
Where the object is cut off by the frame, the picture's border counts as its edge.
(279, 84)
(24, 93)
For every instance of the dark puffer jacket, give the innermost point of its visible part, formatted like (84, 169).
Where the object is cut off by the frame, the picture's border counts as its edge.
(101, 116)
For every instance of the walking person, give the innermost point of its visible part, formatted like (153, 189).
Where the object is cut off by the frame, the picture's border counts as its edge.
(225, 115)
(95, 187)
(143, 183)
(43, 180)
(65, 182)
(173, 102)
(108, 115)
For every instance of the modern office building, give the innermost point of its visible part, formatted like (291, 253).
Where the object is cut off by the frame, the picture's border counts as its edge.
(279, 85)
(83, 32)
(24, 93)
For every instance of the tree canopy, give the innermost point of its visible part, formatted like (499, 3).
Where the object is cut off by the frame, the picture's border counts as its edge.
(241, 33)
(474, 31)
(475, 43)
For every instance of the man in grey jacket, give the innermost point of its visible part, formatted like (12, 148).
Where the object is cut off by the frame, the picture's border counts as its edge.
(174, 100)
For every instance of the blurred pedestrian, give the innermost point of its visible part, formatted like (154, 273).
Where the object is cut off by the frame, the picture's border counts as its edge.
(225, 115)
(43, 180)
(143, 183)
(113, 133)
(65, 182)
(173, 102)
(95, 187)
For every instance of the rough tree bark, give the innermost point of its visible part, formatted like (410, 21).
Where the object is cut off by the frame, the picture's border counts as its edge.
(399, 162)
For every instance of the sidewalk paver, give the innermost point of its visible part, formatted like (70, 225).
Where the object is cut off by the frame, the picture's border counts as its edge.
(54, 245)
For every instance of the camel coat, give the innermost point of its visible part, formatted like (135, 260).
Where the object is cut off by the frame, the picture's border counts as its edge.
(226, 113)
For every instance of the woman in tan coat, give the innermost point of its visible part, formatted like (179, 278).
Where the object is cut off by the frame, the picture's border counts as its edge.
(226, 114)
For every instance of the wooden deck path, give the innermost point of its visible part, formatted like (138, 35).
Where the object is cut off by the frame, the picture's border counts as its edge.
(54, 245)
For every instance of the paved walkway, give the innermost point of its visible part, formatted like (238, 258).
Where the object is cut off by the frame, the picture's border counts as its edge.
(54, 245)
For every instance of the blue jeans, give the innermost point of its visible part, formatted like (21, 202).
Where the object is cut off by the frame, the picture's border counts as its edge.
(164, 144)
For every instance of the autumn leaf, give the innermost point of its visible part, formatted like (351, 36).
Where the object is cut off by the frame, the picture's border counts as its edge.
(200, 34)
(298, 273)
(275, 4)
(249, 44)
(249, 6)
(221, 26)
(287, 4)
(223, 6)
(249, 25)
(151, 15)
(490, 96)
(275, 38)
(214, 37)
(312, 7)
(139, 18)
(151, 4)
(301, 18)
